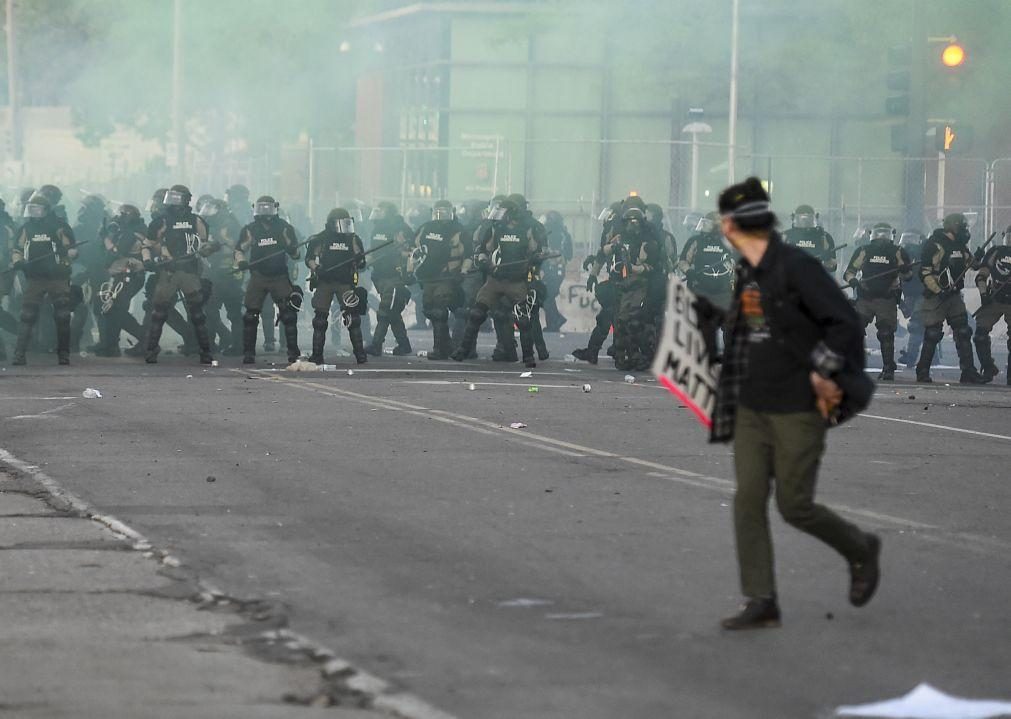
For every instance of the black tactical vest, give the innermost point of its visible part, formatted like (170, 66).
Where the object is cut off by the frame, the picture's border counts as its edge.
(999, 263)
(880, 269)
(809, 239)
(337, 249)
(714, 270)
(181, 240)
(386, 263)
(513, 246)
(268, 242)
(436, 237)
(42, 247)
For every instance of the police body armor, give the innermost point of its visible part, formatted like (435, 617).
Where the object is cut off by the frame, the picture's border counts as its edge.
(713, 268)
(1000, 275)
(809, 239)
(337, 249)
(879, 271)
(626, 253)
(182, 241)
(913, 287)
(221, 261)
(436, 238)
(512, 247)
(267, 248)
(42, 249)
(386, 264)
(954, 261)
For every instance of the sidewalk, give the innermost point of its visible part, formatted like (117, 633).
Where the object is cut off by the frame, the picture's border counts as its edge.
(96, 624)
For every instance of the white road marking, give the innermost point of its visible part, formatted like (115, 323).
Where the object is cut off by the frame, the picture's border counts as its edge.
(937, 426)
(522, 385)
(403, 704)
(47, 414)
(674, 474)
(37, 399)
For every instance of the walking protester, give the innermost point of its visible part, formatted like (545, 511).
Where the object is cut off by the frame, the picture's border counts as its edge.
(793, 366)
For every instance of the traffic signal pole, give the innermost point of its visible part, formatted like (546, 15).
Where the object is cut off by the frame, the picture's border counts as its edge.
(916, 123)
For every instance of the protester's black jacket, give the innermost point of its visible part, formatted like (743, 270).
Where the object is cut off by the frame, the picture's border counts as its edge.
(808, 315)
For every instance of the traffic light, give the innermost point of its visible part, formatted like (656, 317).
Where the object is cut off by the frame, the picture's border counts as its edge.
(953, 139)
(899, 80)
(953, 55)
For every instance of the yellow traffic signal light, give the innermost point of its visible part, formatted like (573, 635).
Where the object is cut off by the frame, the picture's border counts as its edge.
(949, 137)
(953, 55)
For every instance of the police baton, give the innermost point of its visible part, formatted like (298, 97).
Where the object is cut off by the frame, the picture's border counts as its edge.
(840, 247)
(275, 254)
(356, 258)
(980, 252)
(996, 288)
(44, 257)
(528, 261)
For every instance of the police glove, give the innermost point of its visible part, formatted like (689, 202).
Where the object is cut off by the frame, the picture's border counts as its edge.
(151, 265)
(19, 265)
(986, 299)
(588, 262)
(591, 283)
(242, 266)
(854, 283)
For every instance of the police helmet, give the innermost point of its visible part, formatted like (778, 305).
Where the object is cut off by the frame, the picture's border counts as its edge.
(882, 231)
(38, 205)
(443, 211)
(178, 196)
(339, 220)
(265, 206)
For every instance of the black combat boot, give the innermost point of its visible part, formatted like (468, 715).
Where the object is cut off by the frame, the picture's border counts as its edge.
(250, 327)
(24, 337)
(203, 337)
(587, 355)
(527, 346)
(966, 361)
(63, 340)
(357, 343)
(468, 342)
(291, 339)
(761, 613)
(375, 347)
(442, 342)
(505, 346)
(538, 336)
(865, 574)
(319, 327)
(400, 334)
(987, 367)
(888, 366)
(154, 331)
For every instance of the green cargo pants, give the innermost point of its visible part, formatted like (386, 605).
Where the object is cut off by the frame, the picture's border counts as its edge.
(787, 447)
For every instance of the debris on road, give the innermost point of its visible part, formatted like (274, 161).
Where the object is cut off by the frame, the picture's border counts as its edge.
(351, 373)
(587, 388)
(91, 393)
(524, 375)
(571, 359)
(211, 478)
(215, 363)
(525, 602)
(927, 702)
(517, 425)
(472, 386)
(423, 354)
(533, 389)
(629, 379)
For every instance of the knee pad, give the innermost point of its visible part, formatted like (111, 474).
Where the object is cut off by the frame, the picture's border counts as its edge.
(933, 333)
(478, 314)
(159, 314)
(963, 332)
(196, 312)
(440, 314)
(289, 316)
(320, 321)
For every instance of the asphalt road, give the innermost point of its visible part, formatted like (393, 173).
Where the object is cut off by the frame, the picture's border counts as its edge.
(574, 568)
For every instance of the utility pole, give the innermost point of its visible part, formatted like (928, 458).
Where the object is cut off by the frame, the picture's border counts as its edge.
(13, 101)
(916, 124)
(732, 129)
(178, 146)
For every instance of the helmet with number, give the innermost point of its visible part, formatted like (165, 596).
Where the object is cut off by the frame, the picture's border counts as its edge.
(265, 206)
(178, 197)
(804, 217)
(882, 232)
(443, 211)
(339, 220)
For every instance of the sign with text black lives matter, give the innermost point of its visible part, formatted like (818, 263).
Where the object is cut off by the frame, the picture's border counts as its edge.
(682, 363)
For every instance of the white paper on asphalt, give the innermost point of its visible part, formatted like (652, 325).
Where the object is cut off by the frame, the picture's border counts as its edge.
(682, 363)
(925, 702)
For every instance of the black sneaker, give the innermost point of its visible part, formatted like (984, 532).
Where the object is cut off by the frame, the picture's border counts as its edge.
(586, 355)
(361, 357)
(923, 378)
(529, 362)
(206, 358)
(972, 377)
(864, 575)
(887, 374)
(401, 350)
(315, 359)
(989, 372)
(755, 614)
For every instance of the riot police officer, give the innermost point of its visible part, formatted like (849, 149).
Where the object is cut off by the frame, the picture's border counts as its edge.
(44, 250)
(666, 264)
(237, 197)
(334, 257)
(706, 264)
(553, 270)
(176, 241)
(7, 232)
(472, 216)
(634, 253)
(389, 275)
(508, 254)
(994, 283)
(227, 294)
(264, 246)
(806, 233)
(91, 220)
(912, 300)
(437, 263)
(944, 260)
(882, 265)
(122, 241)
(603, 290)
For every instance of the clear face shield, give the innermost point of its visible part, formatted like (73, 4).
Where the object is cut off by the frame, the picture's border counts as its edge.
(705, 225)
(805, 221)
(606, 215)
(265, 209)
(174, 198)
(34, 210)
(208, 209)
(882, 234)
(345, 226)
(378, 214)
(908, 239)
(442, 214)
(496, 213)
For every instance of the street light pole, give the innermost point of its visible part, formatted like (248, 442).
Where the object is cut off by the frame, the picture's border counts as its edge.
(732, 130)
(13, 101)
(177, 82)
(695, 128)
